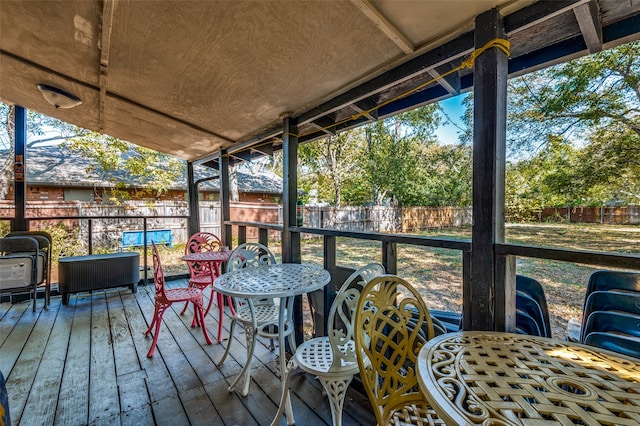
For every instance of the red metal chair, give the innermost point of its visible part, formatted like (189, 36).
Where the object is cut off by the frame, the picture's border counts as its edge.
(166, 297)
(203, 273)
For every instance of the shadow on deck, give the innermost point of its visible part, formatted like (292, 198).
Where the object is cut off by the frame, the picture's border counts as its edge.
(85, 363)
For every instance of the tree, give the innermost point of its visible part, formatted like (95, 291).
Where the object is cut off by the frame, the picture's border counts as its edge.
(156, 171)
(153, 171)
(394, 153)
(328, 164)
(395, 159)
(593, 102)
(41, 129)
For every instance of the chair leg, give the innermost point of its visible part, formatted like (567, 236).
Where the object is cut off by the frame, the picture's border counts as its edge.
(213, 292)
(230, 303)
(157, 318)
(198, 311)
(226, 351)
(336, 390)
(220, 315)
(186, 305)
(284, 398)
(245, 373)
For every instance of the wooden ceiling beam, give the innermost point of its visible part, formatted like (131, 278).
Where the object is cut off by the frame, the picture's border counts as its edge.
(451, 82)
(325, 124)
(366, 105)
(266, 149)
(384, 25)
(588, 16)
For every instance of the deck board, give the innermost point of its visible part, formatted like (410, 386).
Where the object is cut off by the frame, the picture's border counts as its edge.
(85, 363)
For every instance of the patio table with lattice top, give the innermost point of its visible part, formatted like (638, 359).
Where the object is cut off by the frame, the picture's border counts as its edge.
(282, 281)
(478, 377)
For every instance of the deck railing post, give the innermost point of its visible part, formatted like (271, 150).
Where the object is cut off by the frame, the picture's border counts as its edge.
(242, 234)
(90, 233)
(329, 291)
(144, 248)
(390, 257)
(263, 236)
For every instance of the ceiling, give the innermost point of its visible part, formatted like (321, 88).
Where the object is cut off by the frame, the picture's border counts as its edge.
(190, 78)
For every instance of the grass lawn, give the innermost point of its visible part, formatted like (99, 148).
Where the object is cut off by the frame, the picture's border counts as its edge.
(437, 273)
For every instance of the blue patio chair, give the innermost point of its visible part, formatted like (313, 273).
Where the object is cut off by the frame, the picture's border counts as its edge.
(626, 345)
(613, 280)
(530, 306)
(532, 288)
(622, 301)
(530, 298)
(612, 322)
(526, 324)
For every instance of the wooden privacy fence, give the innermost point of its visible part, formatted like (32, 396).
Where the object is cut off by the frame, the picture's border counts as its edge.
(623, 215)
(385, 219)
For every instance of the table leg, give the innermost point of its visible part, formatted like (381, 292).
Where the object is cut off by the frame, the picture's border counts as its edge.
(251, 340)
(284, 313)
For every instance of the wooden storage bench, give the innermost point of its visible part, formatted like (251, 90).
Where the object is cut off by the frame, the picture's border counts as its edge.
(97, 272)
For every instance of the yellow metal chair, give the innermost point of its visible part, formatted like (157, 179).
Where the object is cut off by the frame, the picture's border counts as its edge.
(392, 324)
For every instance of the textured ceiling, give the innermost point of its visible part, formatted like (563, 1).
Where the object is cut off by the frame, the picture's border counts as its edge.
(192, 77)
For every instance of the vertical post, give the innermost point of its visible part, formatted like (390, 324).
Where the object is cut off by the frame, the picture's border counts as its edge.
(242, 234)
(291, 240)
(144, 249)
(225, 199)
(263, 236)
(489, 141)
(19, 169)
(193, 224)
(329, 291)
(390, 257)
(90, 226)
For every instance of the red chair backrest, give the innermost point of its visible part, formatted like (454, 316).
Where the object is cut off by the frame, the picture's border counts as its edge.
(158, 273)
(199, 242)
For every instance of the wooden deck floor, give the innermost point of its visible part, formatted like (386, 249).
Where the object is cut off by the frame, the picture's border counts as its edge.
(85, 363)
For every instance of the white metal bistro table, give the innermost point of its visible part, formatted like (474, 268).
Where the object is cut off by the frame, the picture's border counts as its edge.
(493, 378)
(283, 281)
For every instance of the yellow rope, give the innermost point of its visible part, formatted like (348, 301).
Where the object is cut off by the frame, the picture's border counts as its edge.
(498, 43)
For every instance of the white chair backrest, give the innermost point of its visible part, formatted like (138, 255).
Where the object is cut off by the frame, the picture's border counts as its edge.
(341, 318)
(248, 255)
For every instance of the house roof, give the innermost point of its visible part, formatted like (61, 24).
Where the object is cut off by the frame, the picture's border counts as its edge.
(190, 78)
(58, 166)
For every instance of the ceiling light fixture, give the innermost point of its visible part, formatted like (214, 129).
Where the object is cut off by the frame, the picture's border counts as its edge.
(59, 98)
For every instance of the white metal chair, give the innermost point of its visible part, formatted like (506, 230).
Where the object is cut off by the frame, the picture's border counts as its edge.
(332, 358)
(248, 255)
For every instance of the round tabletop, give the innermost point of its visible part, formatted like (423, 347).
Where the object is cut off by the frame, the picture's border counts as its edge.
(271, 281)
(207, 256)
(492, 378)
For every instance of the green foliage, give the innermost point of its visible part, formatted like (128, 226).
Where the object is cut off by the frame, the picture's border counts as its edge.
(594, 104)
(65, 241)
(153, 171)
(397, 158)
